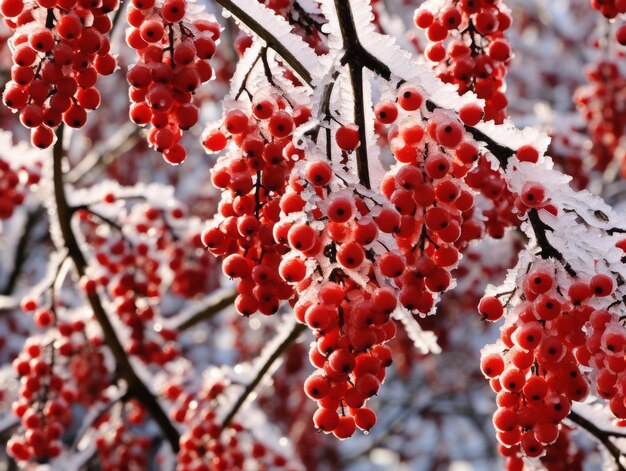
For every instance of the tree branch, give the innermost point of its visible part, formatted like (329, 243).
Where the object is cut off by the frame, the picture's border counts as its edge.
(547, 249)
(280, 349)
(355, 53)
(136, 386)
(603, 436)
(21, 250)
(268, 37)
(207, 312)
(356, 77)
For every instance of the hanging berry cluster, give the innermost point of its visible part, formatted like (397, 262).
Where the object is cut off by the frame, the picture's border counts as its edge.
(174, 40)
(468, 47)
(253, 177)
(469, 50)
(119, 442)
(208, 443)
(610, 9)
(43, 406)
(601, 104)
(535, 368)
(126, 264)
(59, 48)
(342, 300)
(13, 183)
(433, 217)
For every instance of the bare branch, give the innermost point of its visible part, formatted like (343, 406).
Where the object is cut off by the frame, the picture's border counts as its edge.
(603, 436)
(280, 349)
(136, 386)
(21, 250)
(207, 312)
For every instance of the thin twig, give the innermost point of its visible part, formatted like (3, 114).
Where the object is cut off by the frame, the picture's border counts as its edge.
(268, 37)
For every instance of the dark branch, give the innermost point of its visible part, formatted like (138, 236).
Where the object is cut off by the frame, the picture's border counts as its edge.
(547, 249)
(603, 436)
(291, 338)
(356, 76)
(208, 312)
(268, 37)
(355, 53)
(21, 250)
(136, 386)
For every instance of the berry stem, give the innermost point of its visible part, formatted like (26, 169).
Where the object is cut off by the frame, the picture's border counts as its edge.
(136, 387)
(50, 18)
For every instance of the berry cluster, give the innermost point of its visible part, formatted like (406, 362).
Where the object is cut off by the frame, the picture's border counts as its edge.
(85, 362)
(468, 47)
(601, 104)
(13, 182)
(341, 300)
(174, 42)
(253, 177)
(349, 352)
(118, 445)
(206, 444)
(43, 405)
(128, 267)
(535, 367)
(59, 48)
(433, 207)
(610, 9)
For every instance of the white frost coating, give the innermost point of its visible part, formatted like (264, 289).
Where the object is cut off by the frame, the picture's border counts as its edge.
(249, 60)
(424, 341)
(581, 230)
(282, 31)
(376, 170)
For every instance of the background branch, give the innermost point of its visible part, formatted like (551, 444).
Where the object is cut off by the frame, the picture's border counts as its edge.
(136, 387)
(603, 436)
(280, 349)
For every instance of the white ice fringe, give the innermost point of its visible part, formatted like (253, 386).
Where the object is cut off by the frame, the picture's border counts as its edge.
(282, 31)
(423, 340)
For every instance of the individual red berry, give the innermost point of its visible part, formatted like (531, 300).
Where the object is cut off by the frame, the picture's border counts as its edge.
(471, 114)
(490, 308)
(347, 137)
(533, 194)
(326, 420)
(601, 285)
(527, 154)
(409, 98)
